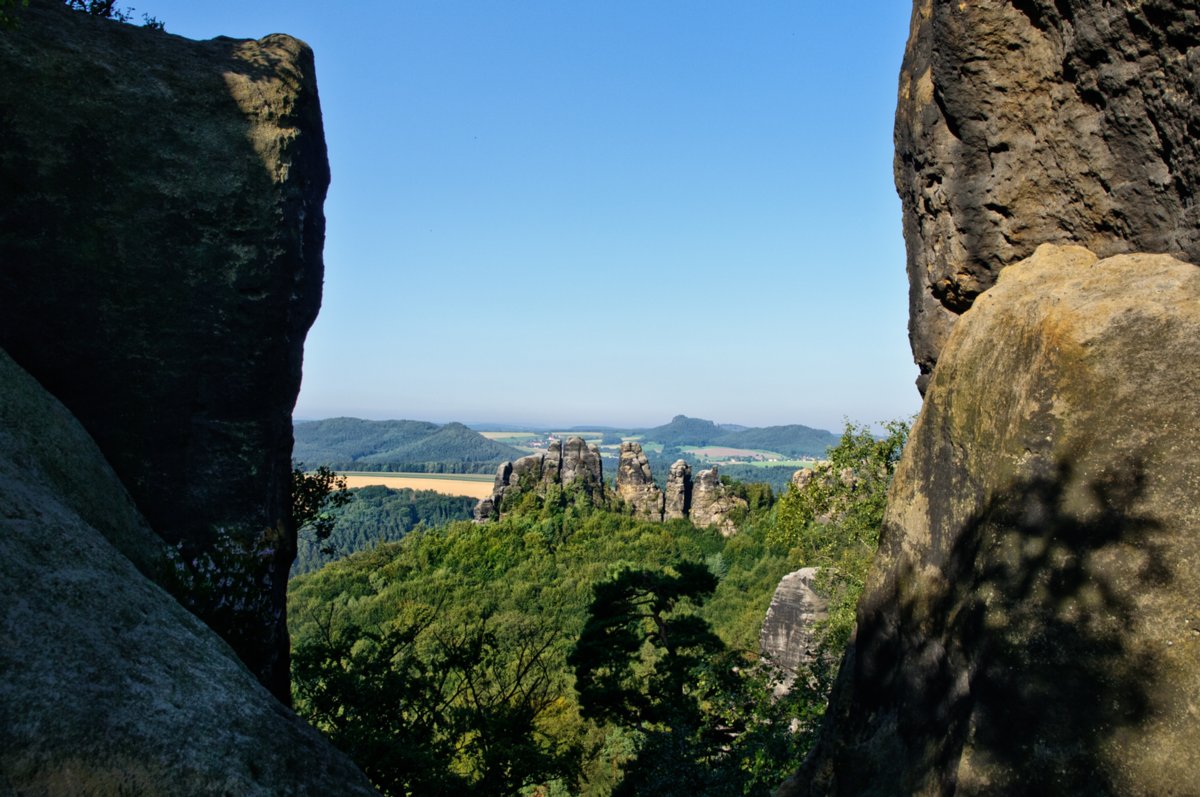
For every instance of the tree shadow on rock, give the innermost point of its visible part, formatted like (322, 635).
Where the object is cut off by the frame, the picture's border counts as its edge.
(1014, 671)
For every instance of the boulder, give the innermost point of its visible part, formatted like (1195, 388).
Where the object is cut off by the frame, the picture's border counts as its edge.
(787, 638)
(635, 484)
(110, 687)
(678, 497)
(712, 504)
(1041, 121)
(1030, 623)
(161, 235)
(802, 477)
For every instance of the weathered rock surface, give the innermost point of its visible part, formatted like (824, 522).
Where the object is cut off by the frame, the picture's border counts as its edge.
(712, 504)
(1041, 121)
(582, 466)
(573, 463)
(110, 687)
(1030, 624)
(161, 234)
(787, 638)
(678, 496)
(635, 484)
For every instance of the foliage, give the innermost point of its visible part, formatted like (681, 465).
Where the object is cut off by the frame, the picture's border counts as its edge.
(458, 644)
(109, 9)
(314, 495)
(7, 19)
(647, 663)
(541, 563)
(432, 711)
(378, 514)
(228, 584)
(633, 608)
(833, 518)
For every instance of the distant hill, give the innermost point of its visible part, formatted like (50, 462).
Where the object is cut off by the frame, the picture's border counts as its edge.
(793, 440)
(415, 446)
(685, 431)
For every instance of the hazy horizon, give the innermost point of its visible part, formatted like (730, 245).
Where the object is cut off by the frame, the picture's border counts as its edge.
(565, 425)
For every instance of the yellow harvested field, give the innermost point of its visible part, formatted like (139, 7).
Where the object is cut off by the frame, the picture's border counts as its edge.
(441, 484)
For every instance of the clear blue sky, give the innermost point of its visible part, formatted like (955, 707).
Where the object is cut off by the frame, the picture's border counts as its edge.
(603, 212)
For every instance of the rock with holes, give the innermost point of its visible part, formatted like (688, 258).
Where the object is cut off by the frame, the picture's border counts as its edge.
(1041, 121)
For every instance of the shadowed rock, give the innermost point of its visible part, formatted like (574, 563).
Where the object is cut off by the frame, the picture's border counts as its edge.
(110, 687)
(160, 240)
(1041, 121)
(1029, 625)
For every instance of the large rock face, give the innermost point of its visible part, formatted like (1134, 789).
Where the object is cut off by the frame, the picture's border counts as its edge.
(1030, 625)
(635, 484)
(1022, 123)
(160, 263)
(787, 638)
(110, 687)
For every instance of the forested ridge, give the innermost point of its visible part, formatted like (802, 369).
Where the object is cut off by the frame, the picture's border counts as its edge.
(401, 446)
(793, 440)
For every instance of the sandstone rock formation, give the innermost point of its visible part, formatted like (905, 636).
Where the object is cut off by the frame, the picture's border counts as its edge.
(706, 502)
(635, 484)
(712, 504)
(1030, 623)
(110, 687)
(1022, 123)
(574, 463)
(787, 638)
(677, 502)
(160, 235)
